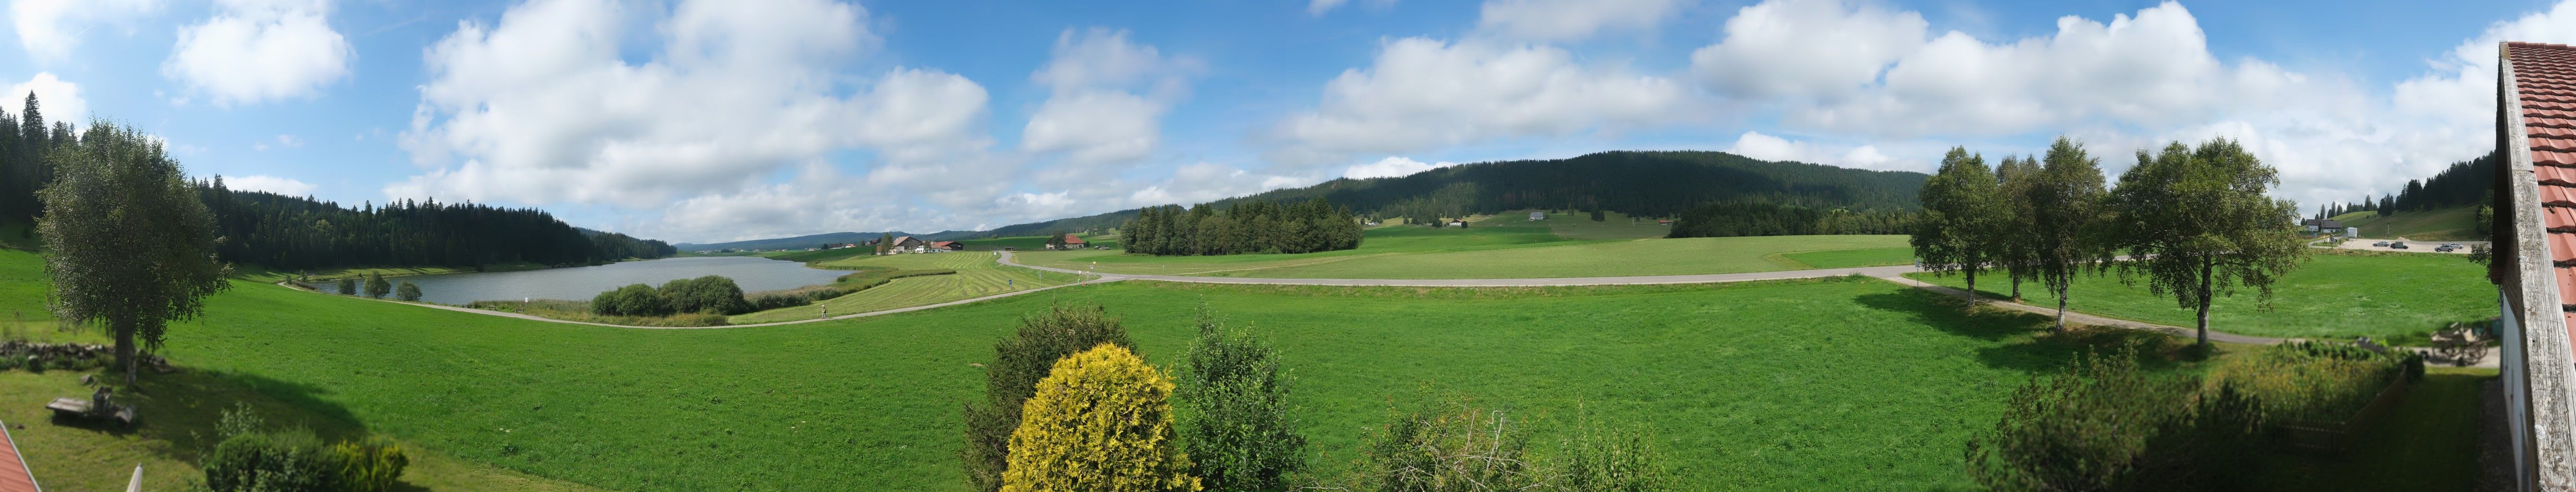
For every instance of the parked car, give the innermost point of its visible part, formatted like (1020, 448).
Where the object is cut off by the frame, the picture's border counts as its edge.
(2451, 245)
(2444, 248)
(2381, 244)
(2397, 246)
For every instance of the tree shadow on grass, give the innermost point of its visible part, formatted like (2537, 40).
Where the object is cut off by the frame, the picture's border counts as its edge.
(182, 409)
(2028, 342)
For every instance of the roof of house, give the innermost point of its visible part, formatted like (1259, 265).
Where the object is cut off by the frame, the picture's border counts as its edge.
(944, 244)
(2536, 139)
(2324, 223)
(13, 468)
(2545, 82)
(1071, 239)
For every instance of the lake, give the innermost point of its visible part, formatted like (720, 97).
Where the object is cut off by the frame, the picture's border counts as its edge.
(581, 283)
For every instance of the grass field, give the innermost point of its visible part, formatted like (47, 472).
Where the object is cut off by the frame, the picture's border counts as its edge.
(1875, 389)
(1848, 258)
(1579, 225)
(2448, 224)
(1496, 252)
(817, 256)
(977, 276)
(1033, 243)
(2333, 296)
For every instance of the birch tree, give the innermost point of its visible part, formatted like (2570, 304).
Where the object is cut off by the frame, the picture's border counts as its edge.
(2197, 225)
(1961, 217)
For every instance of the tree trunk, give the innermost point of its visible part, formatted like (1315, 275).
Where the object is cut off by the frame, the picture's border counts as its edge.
(2016, 294)
(2061, 309)
(2205, 270)
(1972, 287)
(125, 348)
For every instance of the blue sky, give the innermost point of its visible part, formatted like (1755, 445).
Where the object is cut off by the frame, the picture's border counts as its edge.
(705, 120)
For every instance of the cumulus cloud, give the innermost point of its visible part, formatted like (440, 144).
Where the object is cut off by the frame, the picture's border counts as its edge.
(1423, 93)
(1392, 166)
(49, 29)
(258, 50)
(1109, 95)
(1204, 182)
(271, 184)
(1806, 48)
(1560, 20)
(1773, 148)
(1319, 7)
(57, 100)
(543, 108)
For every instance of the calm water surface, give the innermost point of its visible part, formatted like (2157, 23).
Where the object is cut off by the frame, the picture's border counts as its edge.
(580, 283)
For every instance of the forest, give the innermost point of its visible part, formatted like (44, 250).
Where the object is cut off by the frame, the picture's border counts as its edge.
(293, 233)
(1725, 219)
(2463, 183)
(1246, 227)
(1637, 183)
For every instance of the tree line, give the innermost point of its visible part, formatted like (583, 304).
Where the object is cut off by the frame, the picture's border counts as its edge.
(295, 233)
(25, 141)
(2463, 183)
(2194, 222)
(1246, 227)
(1727, 219)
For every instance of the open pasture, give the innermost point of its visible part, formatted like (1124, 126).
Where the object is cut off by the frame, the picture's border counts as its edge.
(977, 275)
(1503, 252)
(2335, 295)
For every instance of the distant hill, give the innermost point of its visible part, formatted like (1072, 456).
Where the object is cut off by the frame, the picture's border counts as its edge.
(2441, 224)
(1635, 183)
(798, 242)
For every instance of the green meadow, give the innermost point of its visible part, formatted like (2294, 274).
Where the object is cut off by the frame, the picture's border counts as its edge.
(978, 275)
(1821, 384)
(1499, 252)
(2334, 295)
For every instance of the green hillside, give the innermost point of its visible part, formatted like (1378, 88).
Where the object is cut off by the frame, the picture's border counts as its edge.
(2443, 224)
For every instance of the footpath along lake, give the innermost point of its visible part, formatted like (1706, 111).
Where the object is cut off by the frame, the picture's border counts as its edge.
(580, 283)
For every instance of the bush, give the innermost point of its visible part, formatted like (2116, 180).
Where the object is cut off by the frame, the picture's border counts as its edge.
(1603, 458)
(371, 466)
(767, 302)
(376, 286)
(1443, 449)
(1101, 420)
(407, 292)
(2087, 428)
(709, 294)
(631, 300)
(2316, 382)
(348, 286)
(271, 462)
(1018, 364)
(1239, 431)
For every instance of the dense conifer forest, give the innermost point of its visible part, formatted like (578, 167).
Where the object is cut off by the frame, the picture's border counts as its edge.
(2464, 183)
(1246, 227)
(1725, 219)
(295, 233)
(1644, 184)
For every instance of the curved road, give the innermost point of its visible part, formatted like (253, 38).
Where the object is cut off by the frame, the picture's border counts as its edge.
(1889, 273)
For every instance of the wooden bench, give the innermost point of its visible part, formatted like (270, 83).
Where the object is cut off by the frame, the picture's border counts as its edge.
(79, 408)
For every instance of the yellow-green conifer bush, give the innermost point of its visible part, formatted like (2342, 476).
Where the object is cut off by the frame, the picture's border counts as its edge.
(1100, 421)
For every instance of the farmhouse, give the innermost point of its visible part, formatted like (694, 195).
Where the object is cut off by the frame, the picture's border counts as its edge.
(1070, 242)
(2535, 258)
(2328, 226)
(948, 245)
(907, 242)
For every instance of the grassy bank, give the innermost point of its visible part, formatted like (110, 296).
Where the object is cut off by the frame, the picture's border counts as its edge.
(976, 275)
(2333, 296)
(2448, 224)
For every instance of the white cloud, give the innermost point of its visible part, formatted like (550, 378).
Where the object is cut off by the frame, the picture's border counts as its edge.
(1424, 93)
(1391, 167)
(1560, 20)
(56, 99)
(543, 108)
(1808, 48)
(1096, 115)
(1772, 148)
(260, 50)
(49, 29)
(290, 141)
(1205, 182)
(271, 184)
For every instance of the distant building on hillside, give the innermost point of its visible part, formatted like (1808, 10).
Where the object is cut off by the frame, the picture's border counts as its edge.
(1069, 242)
(1538, 215)
(902, 243)
(2328, 226)
(948, 245)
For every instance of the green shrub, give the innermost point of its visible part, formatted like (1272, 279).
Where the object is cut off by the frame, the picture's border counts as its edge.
(2315, 382)
(1452, 448)
(767, 302)
(272, 462)
(2087, 428)
(708, 294)
(1100, 421)
(376, 286)
(348, 286)
(1238, 430)
(1604, 458)
(371, 466)
(407, 292)
(631, 300)
(1018, 364)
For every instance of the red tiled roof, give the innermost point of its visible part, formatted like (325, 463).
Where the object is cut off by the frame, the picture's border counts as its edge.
(2544, 79)
(13, 469)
